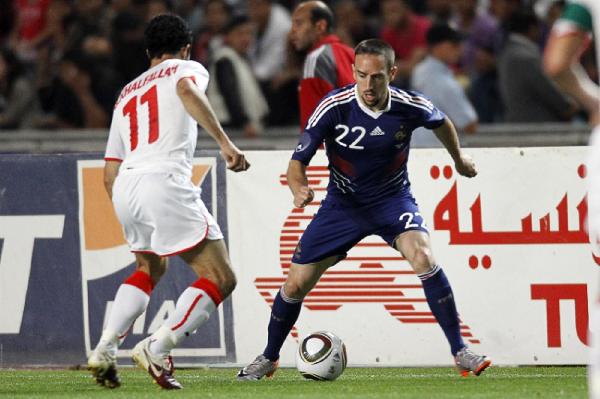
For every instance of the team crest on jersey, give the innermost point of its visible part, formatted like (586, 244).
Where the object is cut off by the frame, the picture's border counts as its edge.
(303, 143)
(400, 134)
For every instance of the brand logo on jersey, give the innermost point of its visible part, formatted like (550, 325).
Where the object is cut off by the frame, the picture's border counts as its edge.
(377, 132)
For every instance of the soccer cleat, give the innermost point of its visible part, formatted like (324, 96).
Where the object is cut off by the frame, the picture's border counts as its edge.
(160, 368)
(259, 368)
(468, 361)
(103, 365)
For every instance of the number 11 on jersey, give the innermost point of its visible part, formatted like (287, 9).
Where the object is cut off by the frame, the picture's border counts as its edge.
(130, 109)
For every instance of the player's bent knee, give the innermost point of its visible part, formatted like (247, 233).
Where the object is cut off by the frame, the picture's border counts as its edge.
(228, 285)
(422, 260)
(295, 290)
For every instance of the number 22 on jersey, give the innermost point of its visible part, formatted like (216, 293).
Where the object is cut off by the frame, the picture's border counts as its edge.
(150, 97)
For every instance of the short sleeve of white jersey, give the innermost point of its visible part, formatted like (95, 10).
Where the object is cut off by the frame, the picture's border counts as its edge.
(115, 149)
(195, 71)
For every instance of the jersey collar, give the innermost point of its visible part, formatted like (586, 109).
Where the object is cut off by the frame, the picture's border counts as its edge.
(370, 112)
(326, 40)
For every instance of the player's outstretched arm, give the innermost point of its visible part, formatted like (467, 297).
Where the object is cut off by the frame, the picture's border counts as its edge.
(449, 138)
(111, 170)
(561, 63)
(298, 183)
(197, 105)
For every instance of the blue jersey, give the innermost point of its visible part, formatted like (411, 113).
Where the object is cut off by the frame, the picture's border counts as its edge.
(367, 150)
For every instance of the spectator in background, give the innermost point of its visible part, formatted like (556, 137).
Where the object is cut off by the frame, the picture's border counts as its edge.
(127, 40)
(216, 15)
(17, 94)
(158, 7)
(267, 54)
(7, 20)
(478, 62)
(439, 11)
(352, 25)
(405, 32)
(191, 12)
(75, 99)
(548, 12)
(434, 78)
(528, 93)
(328, 63)
(503, 9)
(30, 27)
(91, 17)
(233, 90)
(570, 36)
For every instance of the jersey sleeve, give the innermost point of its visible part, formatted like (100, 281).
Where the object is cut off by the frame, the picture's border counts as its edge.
(429, 116)
(115, 148)
(195, 71)
(578, 15)
(317, 127)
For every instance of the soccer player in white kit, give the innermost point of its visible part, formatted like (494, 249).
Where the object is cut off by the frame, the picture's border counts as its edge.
(570, 36)
(148, 176)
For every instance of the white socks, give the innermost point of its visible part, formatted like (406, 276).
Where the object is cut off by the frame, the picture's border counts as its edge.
(193, 308)
(129, 303)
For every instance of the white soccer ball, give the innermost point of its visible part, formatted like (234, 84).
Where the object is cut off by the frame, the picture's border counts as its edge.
(321, 356)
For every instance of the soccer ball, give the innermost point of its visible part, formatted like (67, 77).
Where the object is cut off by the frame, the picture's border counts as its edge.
(321, 356)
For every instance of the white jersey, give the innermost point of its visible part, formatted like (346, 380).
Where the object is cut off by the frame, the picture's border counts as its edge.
(151, 131)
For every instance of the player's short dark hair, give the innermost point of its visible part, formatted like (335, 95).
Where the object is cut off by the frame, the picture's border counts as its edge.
(318, 13)
(377, 47)
(166, 34)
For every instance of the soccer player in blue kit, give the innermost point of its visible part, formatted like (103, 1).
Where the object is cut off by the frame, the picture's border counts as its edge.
(366, 128)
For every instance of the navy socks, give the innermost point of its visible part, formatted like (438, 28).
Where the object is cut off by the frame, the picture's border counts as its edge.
(284, 314)
(441, 302)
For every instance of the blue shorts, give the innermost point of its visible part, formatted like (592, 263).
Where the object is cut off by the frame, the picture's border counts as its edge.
(338, 226)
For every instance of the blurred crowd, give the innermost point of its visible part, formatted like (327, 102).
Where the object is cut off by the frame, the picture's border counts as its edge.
(63, 62)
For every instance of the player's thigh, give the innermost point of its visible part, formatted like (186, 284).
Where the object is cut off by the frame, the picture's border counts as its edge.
(302, 278)
(331, 234)
(151, 264)
(398, 215)
(179, 217)
(210, 259)
(125, 199)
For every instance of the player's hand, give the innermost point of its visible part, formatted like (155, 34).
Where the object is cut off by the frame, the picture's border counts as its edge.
(236, 160)
(465, 166)
(303, 197)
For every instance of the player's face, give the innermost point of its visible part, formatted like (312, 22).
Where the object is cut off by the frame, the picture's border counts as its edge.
(372, 79)
(303, 33)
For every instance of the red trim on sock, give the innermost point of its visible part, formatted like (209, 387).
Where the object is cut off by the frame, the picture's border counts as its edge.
(141, 280)
(210, 288)
(187, 314)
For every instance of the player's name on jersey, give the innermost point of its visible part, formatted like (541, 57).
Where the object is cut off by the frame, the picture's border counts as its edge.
(161, 73)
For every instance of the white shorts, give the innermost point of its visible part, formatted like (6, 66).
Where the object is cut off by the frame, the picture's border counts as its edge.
(162, 213)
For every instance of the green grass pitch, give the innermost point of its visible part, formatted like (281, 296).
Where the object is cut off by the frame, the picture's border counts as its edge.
(421, 383)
